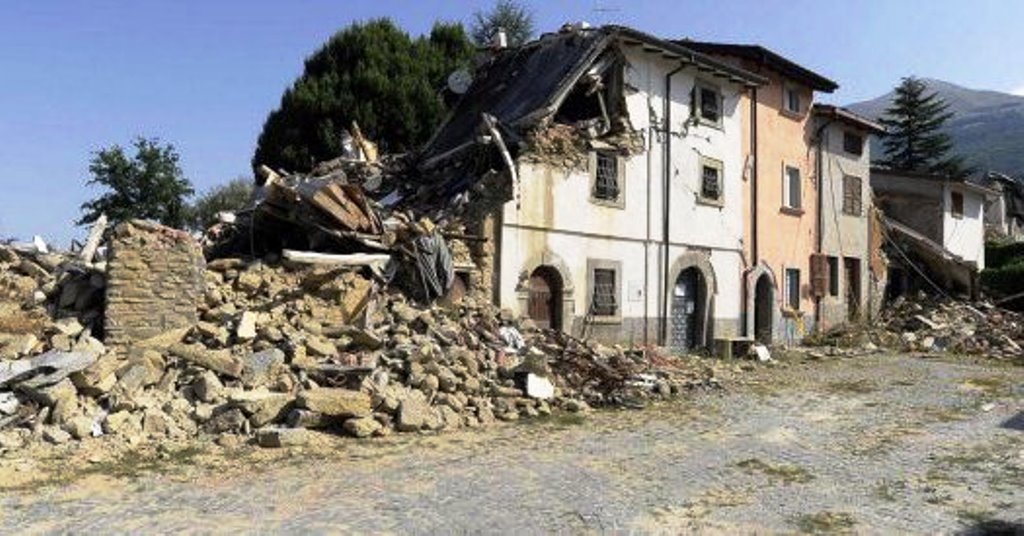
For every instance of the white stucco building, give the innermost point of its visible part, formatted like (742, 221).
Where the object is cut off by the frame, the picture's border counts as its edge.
(635, 234)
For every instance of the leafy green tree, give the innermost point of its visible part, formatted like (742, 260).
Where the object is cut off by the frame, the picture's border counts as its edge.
(149, 185)
(915, 140)
(371, 73)
(231, 197)
(508, 15)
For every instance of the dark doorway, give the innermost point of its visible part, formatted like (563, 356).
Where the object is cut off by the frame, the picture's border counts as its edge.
(544, 304)
(764, 293)
(687, 311)
(852, 269)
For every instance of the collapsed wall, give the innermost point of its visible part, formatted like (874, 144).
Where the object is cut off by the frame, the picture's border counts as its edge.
(154, 282)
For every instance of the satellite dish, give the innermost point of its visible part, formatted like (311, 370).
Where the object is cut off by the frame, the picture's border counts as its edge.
(459, 81)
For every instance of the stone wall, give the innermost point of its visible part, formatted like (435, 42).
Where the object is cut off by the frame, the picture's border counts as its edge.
(154, 282)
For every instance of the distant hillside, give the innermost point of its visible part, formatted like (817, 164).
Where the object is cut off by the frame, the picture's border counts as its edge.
(987, 126)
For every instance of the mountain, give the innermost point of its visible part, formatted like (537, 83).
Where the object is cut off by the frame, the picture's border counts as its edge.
(987, 127)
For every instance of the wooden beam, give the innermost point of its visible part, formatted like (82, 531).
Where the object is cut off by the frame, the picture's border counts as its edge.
(351, 259)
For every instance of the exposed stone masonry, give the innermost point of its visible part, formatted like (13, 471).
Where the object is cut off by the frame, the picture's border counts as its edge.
(154, 282)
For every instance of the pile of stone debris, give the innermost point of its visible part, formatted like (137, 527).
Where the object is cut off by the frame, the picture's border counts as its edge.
(929, 324)
(276, 347)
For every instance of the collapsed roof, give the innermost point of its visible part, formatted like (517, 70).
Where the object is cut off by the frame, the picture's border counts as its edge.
(521, 88)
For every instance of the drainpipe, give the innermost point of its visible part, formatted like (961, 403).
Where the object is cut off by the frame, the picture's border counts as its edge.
(666, 198)
(753, 178)
(820, 223)
(747, 291)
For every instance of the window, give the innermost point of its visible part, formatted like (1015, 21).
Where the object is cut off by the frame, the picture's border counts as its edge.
(793, 288)
(957, 204)
(792, 100)
(606, 177)
(710, 181)
(603, 301)
(708, 105)
(791, 187)
(852, 196)
(853, 143)
(833, 276)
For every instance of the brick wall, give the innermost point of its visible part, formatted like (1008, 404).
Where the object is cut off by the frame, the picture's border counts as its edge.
(154, 282)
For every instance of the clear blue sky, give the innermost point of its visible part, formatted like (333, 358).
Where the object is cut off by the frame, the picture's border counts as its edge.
(81, 75)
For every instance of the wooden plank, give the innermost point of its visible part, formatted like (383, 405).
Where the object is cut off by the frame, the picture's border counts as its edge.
(356, 215)
(93, 242)
(351, 259)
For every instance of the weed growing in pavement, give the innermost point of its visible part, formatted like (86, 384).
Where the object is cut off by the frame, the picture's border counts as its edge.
(786, 472)
(826, 523)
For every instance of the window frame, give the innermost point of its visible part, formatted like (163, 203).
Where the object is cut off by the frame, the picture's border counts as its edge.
(620, 175)
(699, 87)
(858, 210)
(847, 135)
(593, 265)
(956, 212)
(790, 302)
(719, 166)
(787, 190)
(789, 90)
(833, 276)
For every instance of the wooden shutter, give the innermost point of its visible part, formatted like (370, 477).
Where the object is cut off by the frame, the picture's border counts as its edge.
(819, 275)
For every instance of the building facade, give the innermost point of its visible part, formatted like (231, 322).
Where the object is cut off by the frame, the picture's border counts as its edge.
(844, 165)
(782, 230)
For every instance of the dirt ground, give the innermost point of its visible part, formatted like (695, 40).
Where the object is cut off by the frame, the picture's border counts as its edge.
(876, 444)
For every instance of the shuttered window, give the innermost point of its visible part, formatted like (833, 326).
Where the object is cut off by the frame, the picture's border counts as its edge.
(852, 196)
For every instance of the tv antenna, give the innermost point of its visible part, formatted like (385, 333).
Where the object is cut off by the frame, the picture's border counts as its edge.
(602, 11)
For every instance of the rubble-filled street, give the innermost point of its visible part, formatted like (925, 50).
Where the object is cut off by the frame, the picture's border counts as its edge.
(875, 444)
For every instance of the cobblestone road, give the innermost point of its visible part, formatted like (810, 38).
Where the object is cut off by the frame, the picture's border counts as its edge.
(872, 445)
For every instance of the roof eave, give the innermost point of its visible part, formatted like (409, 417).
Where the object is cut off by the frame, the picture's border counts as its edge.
(676, 51)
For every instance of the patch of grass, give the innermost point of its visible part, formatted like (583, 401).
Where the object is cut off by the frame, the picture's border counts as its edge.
(989, 385)
(787, 473)
(890, 490)
(854, 387)
(826, 523)
(944, 414)
(975, 516)
(559, 420)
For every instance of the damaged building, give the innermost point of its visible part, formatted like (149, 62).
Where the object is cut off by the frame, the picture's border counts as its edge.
(936, 230)
(617, 213)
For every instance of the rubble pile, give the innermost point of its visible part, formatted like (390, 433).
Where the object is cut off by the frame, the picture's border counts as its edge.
(939, 325)
(928, 324)
(280, 347)
(37, 286)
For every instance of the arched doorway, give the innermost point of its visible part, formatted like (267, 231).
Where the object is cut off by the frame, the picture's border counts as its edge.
(764, 304)
(688, 310)
(544, 303)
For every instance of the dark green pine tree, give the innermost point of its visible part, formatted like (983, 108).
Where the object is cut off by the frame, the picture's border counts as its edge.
(915, 140)
(374, 74)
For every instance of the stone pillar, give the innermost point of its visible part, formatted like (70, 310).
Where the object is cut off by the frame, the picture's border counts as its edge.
(154, 282)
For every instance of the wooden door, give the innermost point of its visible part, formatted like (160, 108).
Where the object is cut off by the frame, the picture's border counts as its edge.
(544, 302)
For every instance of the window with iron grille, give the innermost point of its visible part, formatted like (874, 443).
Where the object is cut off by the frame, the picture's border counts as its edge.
(606, 178)
(852, 196)
(853, 143)
(603, 300)
(710, 180)
(793, 288)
